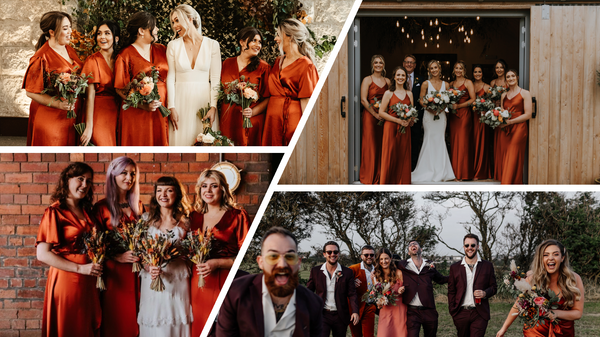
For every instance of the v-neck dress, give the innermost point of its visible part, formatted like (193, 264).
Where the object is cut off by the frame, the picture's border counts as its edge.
(395, 148)
(513, 141)
(192, 88)
(462, 150)
(372, 138)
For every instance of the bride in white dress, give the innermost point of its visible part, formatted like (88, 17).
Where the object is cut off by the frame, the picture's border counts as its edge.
(168, 312)
(194, 76)
(434, 163)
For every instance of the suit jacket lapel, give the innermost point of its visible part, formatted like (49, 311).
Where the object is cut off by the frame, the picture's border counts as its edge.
(256, 299)
(302, 317)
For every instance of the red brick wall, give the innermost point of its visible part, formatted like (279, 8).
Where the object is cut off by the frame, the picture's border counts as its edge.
(26, 182)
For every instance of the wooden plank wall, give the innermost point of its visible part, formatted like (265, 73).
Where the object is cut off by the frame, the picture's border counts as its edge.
(564, 139)
(321, 154)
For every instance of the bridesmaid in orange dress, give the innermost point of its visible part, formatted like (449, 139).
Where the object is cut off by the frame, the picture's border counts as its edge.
(500, 80)
(395, 148)
(71, 300)
(291, 83)
(120, 300)
(551, 269)
(392, 318)
(372, 87)
(255, 71)
(48, 123)
(215, 212)
(144, 126)
(482, 134)
(513, 137)
(462, 150)
(102, 105)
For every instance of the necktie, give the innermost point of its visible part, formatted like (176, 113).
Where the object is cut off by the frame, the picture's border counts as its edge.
(410, 83)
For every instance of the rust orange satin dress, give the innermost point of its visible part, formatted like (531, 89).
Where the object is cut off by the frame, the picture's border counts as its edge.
(120, 301)
(139, 127)
(71, 300)
(49, 126)
(395, 149)
(229, 235)
(286, 87)
(499, 151)
(461, 139)
(106, 102)
(483, 144)
(513, 141)
(564, 328)
(231, 118)
(372, 136)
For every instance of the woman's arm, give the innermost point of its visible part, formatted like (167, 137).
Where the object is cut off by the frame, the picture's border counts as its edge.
(577, 311)
(512, 315)
(89, 115)
(174, 117)
(211, 265)
(304, 103)
(364, 93)
(528, 107)
(44, 254)
(47, 100)
(471, 90)
(423, 92)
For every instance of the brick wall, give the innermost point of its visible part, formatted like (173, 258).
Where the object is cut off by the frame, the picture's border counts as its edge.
(28, 180)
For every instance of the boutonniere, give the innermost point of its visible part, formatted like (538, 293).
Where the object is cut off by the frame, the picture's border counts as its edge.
(430, 265)
(338, 274)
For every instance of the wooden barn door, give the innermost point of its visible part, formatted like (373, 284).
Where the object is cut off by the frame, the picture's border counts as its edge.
(564, 138)
(321, 154)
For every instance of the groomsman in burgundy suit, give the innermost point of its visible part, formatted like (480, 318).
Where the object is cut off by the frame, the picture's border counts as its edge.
(362, 281)
(418, 275)
(334, 284)
(271, 304)
(472, 282)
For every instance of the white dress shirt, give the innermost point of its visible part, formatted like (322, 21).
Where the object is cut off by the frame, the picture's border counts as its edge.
(287, 323)
(469, 300)
(330, 282)
(412, 266)
(367, 274)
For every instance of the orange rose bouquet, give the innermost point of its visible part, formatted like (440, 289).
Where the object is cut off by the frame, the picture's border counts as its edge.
(66, 87)
(142, 90)
(454, 95)
(240, 92)
(406, 113)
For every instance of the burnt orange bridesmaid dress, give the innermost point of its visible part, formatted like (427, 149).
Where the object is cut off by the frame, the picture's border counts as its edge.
(499, 151)
(483, 141)
(395, 149)
(229, 235)
(513, 140)
(286, 88)
(139, 127)
(372, 136)
(231, 118)
(71, 300)
(461, 139)
(106, 101)
(120, 301)
(49, 126)
(564, 328)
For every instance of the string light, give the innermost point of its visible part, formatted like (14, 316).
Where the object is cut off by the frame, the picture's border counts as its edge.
(431, 38)
(437, 37)
(405, 17)
(471, 31)
(398, 25)
(430, 23)
(477, 18)
(436, 22)
(450, 41)
(440, 30)
(425, 44)
(402, 29)
(438, 45)
(411, 40)
(407, 36)
(422, 32)
(422, 37)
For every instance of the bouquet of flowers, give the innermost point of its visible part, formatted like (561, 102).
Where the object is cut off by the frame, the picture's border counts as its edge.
(483, 105)
(240, 92)
(437, 101)
(80, 128)
(454, 96)
(406, 113)
(375, 105)
(202, 112)
(127, 236)
(495, 92)
(495, 117)
(212, 138)
(66, 87)
(196, 247)
(381, 294)
(143, 89)
(95, 248)
(158, 251)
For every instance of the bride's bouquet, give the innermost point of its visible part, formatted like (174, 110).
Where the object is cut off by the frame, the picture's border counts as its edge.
(482, 105)
(158, 251)
(66, 87)
(240, 92)
(143, 89)
(454, 95)
(95, 249)
(495, 117)
(406, 113)
(436, 101)
(381, 294)
(495, 92)
(196, 247)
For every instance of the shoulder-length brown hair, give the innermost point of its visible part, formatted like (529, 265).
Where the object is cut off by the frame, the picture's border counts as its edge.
(61, 193)
(227, 198)
(181, 208)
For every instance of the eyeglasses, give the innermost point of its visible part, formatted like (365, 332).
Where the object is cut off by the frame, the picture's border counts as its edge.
(410, 62)
(369, 255)
(290, 258)
(330, 252)
(473, 245)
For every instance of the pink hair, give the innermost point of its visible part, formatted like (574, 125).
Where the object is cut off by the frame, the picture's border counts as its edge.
(115, 168)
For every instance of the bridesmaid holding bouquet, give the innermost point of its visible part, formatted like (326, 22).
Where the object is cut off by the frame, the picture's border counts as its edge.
(482, 134)
(500, 80)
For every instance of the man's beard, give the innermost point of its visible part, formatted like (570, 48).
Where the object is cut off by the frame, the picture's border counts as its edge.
(284, 290)
(472, 256)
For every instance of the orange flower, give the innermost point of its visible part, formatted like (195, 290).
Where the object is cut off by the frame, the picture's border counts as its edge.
(146, 89)
(65, 78)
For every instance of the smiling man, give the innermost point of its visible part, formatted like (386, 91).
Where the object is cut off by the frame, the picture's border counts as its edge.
(362, 280)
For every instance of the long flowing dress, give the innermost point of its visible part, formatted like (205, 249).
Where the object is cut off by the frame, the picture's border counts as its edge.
(120, 300)
(564, 328)
(106, 101)
(513, 141)
(499, 151)
(372, 137)
(286, 87)
(395, 149)
(392, 318)
(192, 88)
(167, 312)
(433, 164)
(461, 139)
(139, 127)
(231, 115)
(49, 126)
(483, 141)
(229, 234)
(68, 294)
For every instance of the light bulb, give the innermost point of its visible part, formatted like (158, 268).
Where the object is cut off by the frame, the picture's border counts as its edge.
(440, 29)
(422, 31)
(437, 37)
(411, 40)
(402, 29)
(450, 41)
(422, 37)
(425, 44)
(477, 18)
(430, 23)
(436, 22)
(471, 31)
(398, 24)
(431, 38)
(407, 36)
(405, 17)
(438, 45)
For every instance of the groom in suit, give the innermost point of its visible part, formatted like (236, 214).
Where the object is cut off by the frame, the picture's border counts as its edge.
(334, 284)
(472, 282)
(362, 280)
(414, 85)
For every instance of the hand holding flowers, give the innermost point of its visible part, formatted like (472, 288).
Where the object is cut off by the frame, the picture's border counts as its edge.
(436, 102)
(95, 248)
(240, 92)
(495, 117)
(407, 113)
(143, 89)
(65, 87)
(454, 95)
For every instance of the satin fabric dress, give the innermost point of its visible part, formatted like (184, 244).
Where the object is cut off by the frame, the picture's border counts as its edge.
(395, 149)
(120, 301)
(563, 329)
(231, 115)
(139, 127)
(229, 234)
(513, 141)
(483, 142)
(499, 150)
(392, 318)
(372, 137)
(461, 139)
(106, 101)
(71, 300)
(286, 87)
(49, 126)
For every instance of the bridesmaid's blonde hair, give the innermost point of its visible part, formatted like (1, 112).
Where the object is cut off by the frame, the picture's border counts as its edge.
(300, 35)
(226, 199)
(462, 63)
(429, 67)
(373, 61)
(185, 12)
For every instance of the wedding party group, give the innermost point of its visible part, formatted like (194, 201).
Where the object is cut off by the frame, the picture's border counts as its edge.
(399, 291)
(113, 263)
(405, 118)
(141, 93)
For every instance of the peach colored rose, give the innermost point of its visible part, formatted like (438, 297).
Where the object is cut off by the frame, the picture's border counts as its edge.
(65, 78)
(146, 89)
(241, 85)
(250, 94)
(430, 99)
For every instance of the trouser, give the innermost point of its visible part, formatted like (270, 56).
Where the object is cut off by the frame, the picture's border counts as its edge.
(425, 317)
(469, 323)
(366, 325)
(332, 323)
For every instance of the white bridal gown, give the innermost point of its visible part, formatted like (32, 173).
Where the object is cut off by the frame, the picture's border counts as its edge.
(166, 313)
(191, 89)
(434, 163)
